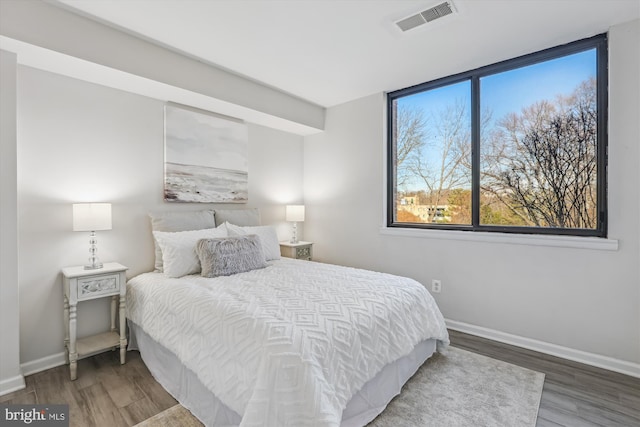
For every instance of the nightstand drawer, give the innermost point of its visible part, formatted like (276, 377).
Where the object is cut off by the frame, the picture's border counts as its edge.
(303, 253)
(97, 286)
(299, 250)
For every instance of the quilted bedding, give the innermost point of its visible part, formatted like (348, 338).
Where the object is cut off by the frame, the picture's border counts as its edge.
(290, 344)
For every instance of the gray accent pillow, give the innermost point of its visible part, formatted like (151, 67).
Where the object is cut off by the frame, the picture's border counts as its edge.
(179, 221)
(230, 255)
(241, 217)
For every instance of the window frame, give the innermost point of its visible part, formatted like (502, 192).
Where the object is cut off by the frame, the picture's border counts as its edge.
(598, 42)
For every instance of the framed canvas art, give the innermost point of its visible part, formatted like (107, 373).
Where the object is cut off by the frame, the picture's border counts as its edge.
(205, 157)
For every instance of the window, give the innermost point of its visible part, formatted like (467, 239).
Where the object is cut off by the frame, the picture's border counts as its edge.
(514, 147)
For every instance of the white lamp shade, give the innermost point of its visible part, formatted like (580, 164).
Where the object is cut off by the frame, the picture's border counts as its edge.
(91, 216)
(295, 213)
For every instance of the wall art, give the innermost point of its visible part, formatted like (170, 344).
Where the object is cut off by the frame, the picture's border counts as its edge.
(205, 157)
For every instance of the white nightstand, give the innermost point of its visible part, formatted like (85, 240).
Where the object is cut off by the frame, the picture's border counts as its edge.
(300, 250)
(82, 285)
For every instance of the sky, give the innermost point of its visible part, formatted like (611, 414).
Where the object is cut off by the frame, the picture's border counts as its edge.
(512, 90)
(509, 91)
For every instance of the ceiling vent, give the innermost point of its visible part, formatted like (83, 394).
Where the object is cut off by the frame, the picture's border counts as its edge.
(428, 15)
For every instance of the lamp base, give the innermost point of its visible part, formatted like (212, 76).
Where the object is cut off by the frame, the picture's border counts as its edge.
(94, 266)
(94, 261)
(294, 237)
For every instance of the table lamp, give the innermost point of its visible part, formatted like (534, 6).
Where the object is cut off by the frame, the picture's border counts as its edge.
(92, 217)
(295, 213)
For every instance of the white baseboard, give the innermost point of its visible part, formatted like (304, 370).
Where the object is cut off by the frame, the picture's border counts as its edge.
(12, 384)
(48, 362)
(597, 360)
(43, 364)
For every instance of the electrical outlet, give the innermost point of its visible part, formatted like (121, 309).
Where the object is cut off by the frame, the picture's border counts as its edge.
(436, 286)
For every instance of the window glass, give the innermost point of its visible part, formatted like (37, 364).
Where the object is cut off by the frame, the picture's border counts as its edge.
(539, 145)
(433, 166)
(518, 146)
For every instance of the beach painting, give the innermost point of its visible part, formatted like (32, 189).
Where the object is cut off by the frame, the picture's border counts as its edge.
(205, 157)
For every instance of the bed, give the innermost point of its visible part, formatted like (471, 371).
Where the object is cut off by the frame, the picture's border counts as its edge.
(283, 343)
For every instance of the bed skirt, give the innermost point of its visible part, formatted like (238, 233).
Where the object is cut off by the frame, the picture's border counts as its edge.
(187, 389)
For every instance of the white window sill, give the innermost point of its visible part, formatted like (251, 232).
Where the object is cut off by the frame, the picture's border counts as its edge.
(594, 243)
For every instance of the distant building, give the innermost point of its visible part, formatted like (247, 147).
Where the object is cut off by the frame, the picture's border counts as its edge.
(409, 200)
(426, 213)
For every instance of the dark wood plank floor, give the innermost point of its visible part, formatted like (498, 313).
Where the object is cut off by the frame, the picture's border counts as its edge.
(109, 394)
(105, 394)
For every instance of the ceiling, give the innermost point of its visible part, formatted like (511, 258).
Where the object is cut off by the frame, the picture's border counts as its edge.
(333, 51)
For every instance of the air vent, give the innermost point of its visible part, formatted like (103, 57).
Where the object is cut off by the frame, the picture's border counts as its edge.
(429, 15)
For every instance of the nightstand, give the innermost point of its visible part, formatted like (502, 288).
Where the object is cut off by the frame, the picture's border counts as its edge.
(83, 285)
(300, 250)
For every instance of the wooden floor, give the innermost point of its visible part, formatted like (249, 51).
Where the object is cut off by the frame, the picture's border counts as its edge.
(105, 394)
(109, 394)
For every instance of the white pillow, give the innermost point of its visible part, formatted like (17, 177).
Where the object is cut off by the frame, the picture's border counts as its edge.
(179, 256)
(267, 234)
(179, 221)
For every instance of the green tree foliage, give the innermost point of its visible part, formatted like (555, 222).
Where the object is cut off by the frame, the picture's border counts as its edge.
(459, 202)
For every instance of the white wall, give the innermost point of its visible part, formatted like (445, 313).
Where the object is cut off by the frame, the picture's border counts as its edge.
(584, 300)
(83, 142)
(10, 373)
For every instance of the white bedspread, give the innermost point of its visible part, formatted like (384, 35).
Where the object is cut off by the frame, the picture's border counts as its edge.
(287, 345)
